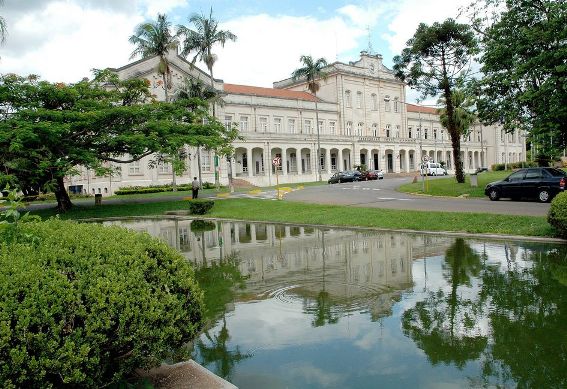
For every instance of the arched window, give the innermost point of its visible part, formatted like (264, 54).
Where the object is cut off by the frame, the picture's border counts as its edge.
(387, 103)
(374, 101)
(358, 99)
(348, 99)
(348, 128)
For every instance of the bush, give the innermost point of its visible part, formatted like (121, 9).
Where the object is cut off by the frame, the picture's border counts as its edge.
(83, 305)
(200, 206)
(557, 215)
(512, 165)
(199, 225)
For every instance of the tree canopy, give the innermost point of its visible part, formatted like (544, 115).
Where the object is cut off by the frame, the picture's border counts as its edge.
(49, 129)
(436, 59)
(524, 63)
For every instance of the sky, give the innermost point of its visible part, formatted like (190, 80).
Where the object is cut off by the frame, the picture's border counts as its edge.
(62, 40)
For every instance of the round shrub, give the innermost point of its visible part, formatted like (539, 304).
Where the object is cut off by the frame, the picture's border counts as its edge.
(557, 215)
(200, 206)
(83, 305)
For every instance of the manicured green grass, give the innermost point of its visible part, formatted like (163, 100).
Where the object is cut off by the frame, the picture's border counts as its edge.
(296, 212)
(448, 186)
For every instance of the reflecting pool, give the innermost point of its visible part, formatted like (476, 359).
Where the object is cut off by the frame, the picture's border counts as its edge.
(298, 307)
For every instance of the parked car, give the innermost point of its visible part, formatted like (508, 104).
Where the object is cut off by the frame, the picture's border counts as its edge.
(346, 176)
(432, 169)
(542, 183)
(372, 175)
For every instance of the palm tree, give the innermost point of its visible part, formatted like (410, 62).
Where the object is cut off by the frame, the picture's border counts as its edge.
(155, 39)
(313, 71)
(202, 39)
(3, 27)
(463, 117)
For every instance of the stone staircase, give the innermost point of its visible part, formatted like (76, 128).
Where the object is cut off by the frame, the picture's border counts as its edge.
(239, 183)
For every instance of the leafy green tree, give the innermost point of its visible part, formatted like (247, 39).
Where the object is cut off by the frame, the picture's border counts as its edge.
(312, 72)
(58, 127)
(155, 39)
(524, 67)
(203, 38)
(443, 325)
(435, 60)
(463, 111)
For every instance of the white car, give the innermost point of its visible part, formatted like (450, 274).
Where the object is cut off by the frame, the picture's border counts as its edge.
(432, 169)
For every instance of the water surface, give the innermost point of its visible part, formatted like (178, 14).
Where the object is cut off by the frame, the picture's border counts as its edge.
(295, 307)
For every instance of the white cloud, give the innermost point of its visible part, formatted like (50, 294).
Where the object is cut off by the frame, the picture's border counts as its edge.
(363, 16)
(78, 39)
(410, 13)
(268, 47)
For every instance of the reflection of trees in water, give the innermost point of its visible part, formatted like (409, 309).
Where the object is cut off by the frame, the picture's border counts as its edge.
(526, 310)
(323, 309)
(216, 352)
(443, 325)
(219, 281)
(528, 321)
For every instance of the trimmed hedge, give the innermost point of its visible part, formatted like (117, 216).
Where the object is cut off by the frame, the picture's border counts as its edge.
(83, 305)
(200, 206)
(513, 165)
(557, 215)
(157, 189)
(199, 225)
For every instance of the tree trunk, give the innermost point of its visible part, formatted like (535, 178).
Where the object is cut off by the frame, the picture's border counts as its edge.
(63, 200)
(165, 87)
(455, 135)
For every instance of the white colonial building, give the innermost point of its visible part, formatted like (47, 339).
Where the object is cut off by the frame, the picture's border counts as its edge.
(363, 119)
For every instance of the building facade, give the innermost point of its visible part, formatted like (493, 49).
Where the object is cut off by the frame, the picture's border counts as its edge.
(364, 119)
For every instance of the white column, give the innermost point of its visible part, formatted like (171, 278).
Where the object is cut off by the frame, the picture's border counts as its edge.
(250, 161)
(284, 161)
(340, 166)
(328, 160)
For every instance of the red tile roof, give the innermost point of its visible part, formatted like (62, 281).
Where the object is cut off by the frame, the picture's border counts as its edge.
(269, 92)
(422, 109)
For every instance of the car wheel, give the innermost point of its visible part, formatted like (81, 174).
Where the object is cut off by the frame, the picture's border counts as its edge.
(494, 194)
(543, 196)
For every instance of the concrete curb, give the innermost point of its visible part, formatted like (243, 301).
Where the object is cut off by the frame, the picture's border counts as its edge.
(185, 375)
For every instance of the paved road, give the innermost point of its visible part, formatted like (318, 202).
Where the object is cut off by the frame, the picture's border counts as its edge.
(382, 194)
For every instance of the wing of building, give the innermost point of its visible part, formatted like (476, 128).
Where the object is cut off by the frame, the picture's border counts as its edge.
(364, 119)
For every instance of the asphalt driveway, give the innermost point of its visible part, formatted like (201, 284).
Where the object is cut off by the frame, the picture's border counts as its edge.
(383, 194)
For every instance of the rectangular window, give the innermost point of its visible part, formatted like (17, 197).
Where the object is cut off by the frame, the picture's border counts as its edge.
(205, 160)
(134, 168)
(348, 128)
(396, 105)
(332, 128)
(164, 168)
(307, 127)
(358, 99)
(434, 133)
(263, 124)
(244, 123)
(228, 121)
(277, 125)
(387, 104)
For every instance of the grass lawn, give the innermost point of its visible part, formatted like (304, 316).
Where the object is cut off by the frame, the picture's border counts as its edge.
(295, 212)
(448, 186)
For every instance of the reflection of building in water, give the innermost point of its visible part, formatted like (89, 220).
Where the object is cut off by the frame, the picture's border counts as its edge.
(346, 264)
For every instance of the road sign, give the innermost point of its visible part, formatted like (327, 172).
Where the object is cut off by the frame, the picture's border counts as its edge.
(276, 161)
